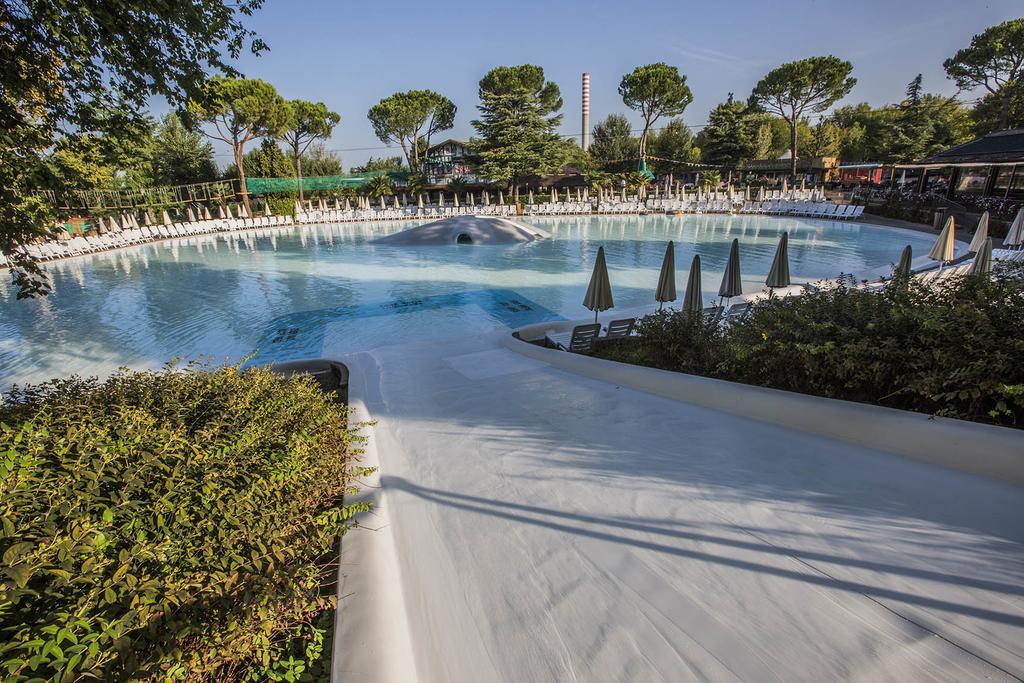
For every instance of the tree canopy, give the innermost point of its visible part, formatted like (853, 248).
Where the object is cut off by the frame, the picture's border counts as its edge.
(518, 118)
(994, 61)
(410, 119)
(613, 145)
(307, 122)
(240, 110)
(727, 138)
(60, 61)
(181, 155)
(654, 90)
(674, 148)
(806, 86)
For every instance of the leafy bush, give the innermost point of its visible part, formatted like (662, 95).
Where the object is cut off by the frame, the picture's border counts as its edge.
(174, 525)
(953, 350)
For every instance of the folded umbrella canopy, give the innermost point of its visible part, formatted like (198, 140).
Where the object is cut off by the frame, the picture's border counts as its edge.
(942, 250)
(731, 284)
(980, 234)
(778, 276)
(667, 278)
(599, 294)
(1015, 235)
(693, 299)
(903, 267)
(982, 263)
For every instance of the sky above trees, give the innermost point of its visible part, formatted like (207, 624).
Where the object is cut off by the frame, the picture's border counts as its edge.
(350, 56)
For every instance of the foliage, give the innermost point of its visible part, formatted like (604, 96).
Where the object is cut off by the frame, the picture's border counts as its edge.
(654, 90)
(379, 186)
(319, 161)
(306, 123)
(825, 140)
(675, 143)
(727, 138)
(416, 184)
(865, 132)
(240, 110)
(987, 111)
(948, 351)
(175, 525)
(613, 145)
(806, 86)
(268, 161)
(924, 124)
(518, 118)
(59, 62)
(180, 155)
(994, 61)
(711, 180)
(382, 164)
(410, 119)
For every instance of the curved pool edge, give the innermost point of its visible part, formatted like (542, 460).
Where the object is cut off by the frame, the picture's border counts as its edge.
(980, 449)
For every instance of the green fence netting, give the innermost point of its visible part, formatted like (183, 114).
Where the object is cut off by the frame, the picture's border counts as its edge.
(330, 182)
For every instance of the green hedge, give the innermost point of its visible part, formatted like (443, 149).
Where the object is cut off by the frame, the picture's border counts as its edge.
(174, 525)
(954, 351)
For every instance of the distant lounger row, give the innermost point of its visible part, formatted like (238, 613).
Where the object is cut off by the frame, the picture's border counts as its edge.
(78, 246)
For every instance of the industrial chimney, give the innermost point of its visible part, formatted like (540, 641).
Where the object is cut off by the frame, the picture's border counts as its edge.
(586, 112)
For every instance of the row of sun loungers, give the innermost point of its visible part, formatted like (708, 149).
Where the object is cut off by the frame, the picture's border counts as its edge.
(89, 244)
(809, 209)
(559, 209)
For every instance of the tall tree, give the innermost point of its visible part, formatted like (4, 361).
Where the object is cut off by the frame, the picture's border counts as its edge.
(410, 119)
(924, 124)
(995, 61)
(654, 90)
(381, 164)
(613, 144)
(240, 109)
(181, 155)
(518, 118)
(807, 86)
(726, 140)
(320, 161)
(674, 147)
(59, 59)
(987, 111)
(268, 161)
(307, 123)
(825, 140)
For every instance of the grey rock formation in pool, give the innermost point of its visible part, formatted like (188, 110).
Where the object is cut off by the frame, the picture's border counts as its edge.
(465, 230)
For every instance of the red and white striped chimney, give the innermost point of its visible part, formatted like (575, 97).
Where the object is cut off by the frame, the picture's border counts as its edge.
(586, 112)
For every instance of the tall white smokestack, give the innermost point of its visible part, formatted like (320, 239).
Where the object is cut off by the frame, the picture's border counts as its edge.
(586, 112)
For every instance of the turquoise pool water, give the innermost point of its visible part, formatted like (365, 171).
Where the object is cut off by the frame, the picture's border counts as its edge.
(306, 291)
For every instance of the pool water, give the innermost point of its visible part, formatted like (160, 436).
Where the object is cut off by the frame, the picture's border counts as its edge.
(324, 290)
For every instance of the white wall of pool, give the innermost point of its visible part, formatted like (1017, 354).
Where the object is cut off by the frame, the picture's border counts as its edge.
(310, 290)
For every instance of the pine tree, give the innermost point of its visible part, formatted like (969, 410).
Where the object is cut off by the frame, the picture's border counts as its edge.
(518, 117)
(726, 140)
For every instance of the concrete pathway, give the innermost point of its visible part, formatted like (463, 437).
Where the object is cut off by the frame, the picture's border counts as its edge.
(536, 525)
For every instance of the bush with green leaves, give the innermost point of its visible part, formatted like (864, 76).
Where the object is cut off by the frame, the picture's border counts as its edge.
(172, 525)
(953, 350)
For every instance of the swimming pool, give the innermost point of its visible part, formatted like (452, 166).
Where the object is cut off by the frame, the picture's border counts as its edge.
(324, 290)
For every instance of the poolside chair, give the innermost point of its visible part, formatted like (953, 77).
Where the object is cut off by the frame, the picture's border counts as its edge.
(619, 328)
(580, 340)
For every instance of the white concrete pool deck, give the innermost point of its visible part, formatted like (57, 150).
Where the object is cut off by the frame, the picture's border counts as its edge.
(536, 525)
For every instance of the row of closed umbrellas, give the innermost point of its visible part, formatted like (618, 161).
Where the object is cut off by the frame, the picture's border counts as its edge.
(599, 293)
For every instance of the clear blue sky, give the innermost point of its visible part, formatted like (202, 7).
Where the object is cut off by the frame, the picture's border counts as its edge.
(351, 54)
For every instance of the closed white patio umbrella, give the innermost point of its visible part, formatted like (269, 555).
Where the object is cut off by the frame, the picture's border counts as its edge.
(1015, 235)
(167, 217)
(982, 263)
(980, 234)
(487, 198)
(902, 269)
(942, 250)
(394, 204)
(419, 201)
(667, 277)
(440, 199)
(266, 208)
(206, 213)
(455, 199)
(529, 196)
